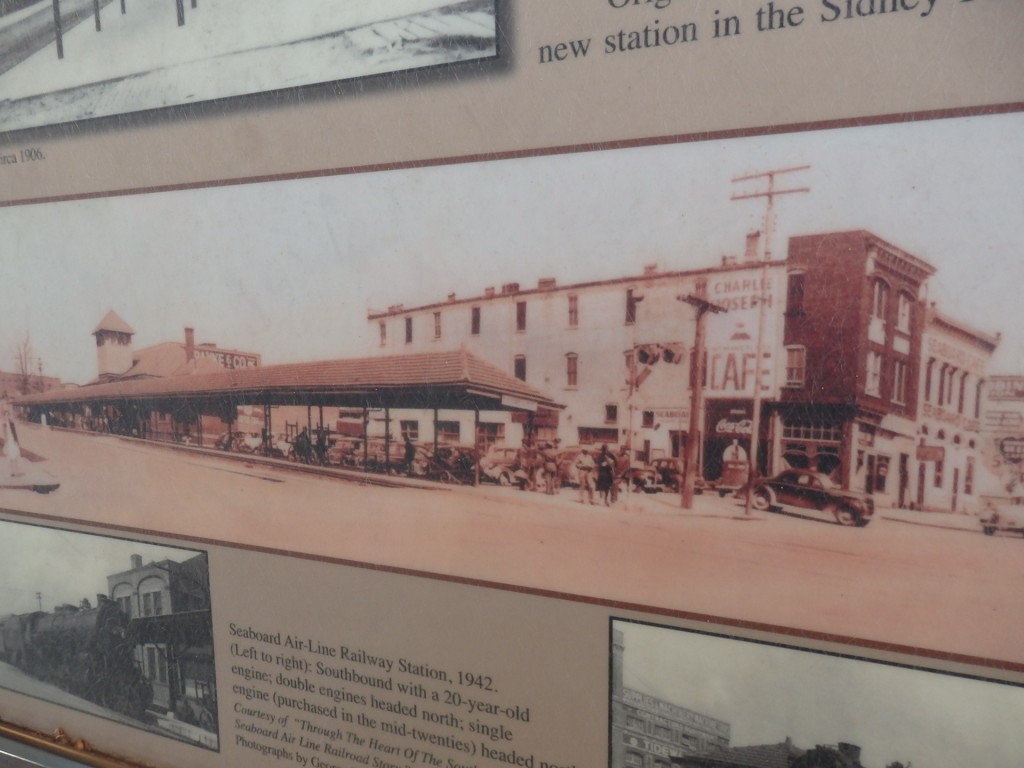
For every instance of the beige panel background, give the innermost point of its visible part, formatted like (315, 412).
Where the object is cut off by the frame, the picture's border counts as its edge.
(964, 54)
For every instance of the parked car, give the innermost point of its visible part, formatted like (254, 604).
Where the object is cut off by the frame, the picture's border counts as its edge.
(1005, 519)
(801, 491)
(669, 471)
(499, 464)
(645, 478)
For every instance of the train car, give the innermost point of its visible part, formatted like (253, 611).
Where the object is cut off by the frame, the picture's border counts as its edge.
(85, 651)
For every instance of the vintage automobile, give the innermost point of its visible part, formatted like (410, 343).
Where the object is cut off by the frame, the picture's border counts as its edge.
(812, 494)
(499, 464)
(1004, 519)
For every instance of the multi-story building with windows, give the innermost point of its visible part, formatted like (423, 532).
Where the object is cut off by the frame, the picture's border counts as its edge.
(648, 732)
(615, 352)
(854, 318)
(949, 452)
(848, 353)
(168, 605)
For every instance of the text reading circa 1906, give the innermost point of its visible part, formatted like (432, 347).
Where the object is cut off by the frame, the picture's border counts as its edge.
(326, 704)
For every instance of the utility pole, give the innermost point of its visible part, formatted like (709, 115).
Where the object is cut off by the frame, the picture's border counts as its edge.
(769, 226)
(698, 300)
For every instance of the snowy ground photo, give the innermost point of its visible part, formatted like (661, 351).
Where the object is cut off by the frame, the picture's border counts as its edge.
(144, 57)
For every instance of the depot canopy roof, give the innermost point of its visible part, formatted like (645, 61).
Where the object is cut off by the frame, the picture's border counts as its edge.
(456, 380)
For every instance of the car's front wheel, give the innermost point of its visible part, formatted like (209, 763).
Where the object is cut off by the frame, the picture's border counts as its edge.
(847, 515)
(761, 500)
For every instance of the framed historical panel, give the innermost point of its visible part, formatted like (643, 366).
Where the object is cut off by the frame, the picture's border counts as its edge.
(389, 356)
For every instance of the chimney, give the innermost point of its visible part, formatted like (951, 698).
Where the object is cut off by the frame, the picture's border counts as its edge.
(489, 291)
(546, 283)
(729, 261)
(751, 252)
(650, 269)
(136, 561)
(190, 344)
(451, 297)
(509, 288)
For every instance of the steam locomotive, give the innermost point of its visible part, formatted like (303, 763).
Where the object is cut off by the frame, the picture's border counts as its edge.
(85, 651)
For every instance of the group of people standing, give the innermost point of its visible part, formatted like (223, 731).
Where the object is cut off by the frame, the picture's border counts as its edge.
(602, 472)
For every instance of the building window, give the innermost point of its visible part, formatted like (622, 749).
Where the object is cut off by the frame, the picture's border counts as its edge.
(125, 604)
(571, 369)
(152, 604)
(408, 330)
(928, 371)
(817, 431)
(969, 476)
(437, 325)
(631, 301)
(879, 299)
(795, 294)
(474, 321)
(519, 367)
(489, 433)
(904, 304)
(409, 429)
(520, 315)
(939, 467)
(634, 760)
(899, 382)
(383, 333)
(963, 393)
(611, 414)
(574, 311)
(796, 366)
(647, 420)
(448, 431)
(872, 386)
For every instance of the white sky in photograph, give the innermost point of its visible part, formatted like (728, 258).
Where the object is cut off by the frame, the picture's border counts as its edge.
(289, 269)
(767, 693)
(76, 565)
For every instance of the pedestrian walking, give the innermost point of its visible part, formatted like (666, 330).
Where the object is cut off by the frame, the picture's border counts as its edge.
(585, 468)
(605, 474)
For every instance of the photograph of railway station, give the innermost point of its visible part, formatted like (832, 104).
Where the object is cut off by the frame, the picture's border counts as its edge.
(138, 650)
(69, 60)
(698, 700)
(656, 369)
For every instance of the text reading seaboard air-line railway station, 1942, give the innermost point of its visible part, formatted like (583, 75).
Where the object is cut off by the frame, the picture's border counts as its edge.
(327, 704)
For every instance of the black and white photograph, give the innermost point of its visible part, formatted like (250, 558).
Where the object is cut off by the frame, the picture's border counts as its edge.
(701, 700)
(747, 378)
(64, 61)
(115, 628)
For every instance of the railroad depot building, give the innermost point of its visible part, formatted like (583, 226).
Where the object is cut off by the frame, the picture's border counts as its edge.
(846, 337)
(648, 732)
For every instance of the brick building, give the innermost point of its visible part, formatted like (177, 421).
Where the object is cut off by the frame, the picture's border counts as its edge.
(847, 338)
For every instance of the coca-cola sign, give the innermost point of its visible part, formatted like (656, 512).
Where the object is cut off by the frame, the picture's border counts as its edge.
(734, 427)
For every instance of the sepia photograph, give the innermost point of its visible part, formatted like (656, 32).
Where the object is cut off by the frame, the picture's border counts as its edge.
(64, 61)
(775, 379)
(116, 628)
(701, 700)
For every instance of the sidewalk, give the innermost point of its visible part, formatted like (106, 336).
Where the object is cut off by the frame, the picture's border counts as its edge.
(958, 521)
